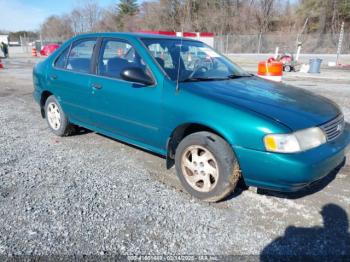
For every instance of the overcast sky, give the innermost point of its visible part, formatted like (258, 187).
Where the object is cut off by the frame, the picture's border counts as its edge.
(29, 14)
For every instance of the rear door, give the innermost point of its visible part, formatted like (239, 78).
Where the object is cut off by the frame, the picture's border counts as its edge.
(121, 107)
(70, 79)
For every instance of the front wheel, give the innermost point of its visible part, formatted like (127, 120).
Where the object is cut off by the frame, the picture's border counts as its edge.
(56, 118)
(206, 166)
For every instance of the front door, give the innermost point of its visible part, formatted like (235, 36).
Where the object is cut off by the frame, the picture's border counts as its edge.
(127, 109)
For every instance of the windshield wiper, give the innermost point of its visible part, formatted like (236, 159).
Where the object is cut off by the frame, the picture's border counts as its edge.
(233, 76)
(197, 79)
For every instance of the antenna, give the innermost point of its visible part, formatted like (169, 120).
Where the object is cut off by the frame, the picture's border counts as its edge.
(178, 62)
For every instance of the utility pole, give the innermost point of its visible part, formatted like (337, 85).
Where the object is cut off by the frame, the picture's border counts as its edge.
(341, 36)
(226, 44)
(259, 42)
(299, 42)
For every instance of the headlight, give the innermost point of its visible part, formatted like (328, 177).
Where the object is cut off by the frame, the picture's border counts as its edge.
(295, 142)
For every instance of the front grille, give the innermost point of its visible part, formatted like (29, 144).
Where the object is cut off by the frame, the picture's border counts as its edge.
(334, 128)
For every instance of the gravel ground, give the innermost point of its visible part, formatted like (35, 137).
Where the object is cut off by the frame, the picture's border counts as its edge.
(89, 194)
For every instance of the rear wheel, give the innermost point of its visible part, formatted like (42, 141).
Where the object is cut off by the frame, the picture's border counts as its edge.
(56, 118)
(287, 68)
(206, 166)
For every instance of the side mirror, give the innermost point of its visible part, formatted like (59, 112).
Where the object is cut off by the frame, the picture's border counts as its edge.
(137, 75)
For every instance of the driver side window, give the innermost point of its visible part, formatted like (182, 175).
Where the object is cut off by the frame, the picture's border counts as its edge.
(116, 56)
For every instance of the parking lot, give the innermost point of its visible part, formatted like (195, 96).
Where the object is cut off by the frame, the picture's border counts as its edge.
(89, 194)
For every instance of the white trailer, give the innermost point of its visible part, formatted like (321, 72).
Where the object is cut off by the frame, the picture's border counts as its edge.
(4, 38)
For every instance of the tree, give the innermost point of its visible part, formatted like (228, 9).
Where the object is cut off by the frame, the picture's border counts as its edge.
(325, 15)
(92, 13)
(127, 7)
(57, 28)
(77, 21)
(126, 10)
(86, 18)
(108, 21)
(222, 17)
(170, 15)
(263, 14)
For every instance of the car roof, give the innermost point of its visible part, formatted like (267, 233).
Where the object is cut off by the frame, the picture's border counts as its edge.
(129, 35)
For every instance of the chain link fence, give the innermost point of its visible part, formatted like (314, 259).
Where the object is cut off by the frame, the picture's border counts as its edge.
(24, 45)
(287, 42)
(250, 43)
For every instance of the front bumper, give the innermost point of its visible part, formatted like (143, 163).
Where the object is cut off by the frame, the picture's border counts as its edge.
(292, 172)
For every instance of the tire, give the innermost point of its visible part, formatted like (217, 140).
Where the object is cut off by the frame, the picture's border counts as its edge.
(199, 178)
(287, 68)
(56, 118)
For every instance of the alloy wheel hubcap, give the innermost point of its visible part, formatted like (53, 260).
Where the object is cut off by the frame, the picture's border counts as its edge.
(200, 168)
(54, 116)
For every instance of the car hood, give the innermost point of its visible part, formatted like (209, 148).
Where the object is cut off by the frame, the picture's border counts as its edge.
(292, 106)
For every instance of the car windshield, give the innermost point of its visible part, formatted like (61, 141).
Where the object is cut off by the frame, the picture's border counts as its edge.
(188, 60)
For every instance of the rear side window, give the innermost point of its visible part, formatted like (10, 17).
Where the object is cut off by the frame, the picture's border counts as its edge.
(117, 55)
(62, 59)
(80, 56)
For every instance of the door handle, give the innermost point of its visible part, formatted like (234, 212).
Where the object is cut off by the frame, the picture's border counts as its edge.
(53, 77)
(96, 86)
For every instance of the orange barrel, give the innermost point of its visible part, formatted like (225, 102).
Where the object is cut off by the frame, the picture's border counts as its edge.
(271, 70)
(34, 53)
